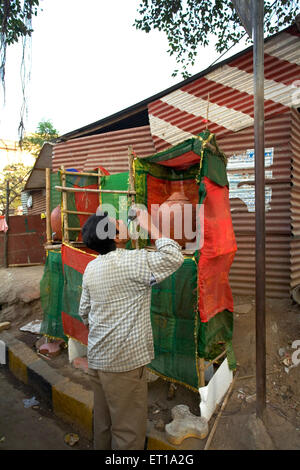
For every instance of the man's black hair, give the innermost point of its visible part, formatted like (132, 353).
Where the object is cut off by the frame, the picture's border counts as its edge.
(98, 234)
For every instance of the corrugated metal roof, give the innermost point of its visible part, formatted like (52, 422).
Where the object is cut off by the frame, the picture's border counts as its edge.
(224, 96)
(274, 46)
(36, 179)
(109, 150)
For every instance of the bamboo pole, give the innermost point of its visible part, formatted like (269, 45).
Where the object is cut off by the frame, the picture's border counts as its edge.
(84, 190)
(7, 222)
(214, 360)
(201, 372)
(81, 173)
(48, 208)
(213, 430)
(99, 186)
(65, 232)
(131, 186)
(79, 212)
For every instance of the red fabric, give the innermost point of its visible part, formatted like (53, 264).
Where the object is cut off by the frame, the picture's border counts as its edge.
(217, 253)
(77, 259)
(103, 170)
(74, 328)
(183, 161)
(86, 202)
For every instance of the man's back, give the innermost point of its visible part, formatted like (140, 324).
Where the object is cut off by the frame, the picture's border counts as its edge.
(115, 302)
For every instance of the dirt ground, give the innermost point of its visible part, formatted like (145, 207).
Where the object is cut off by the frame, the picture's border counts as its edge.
(237, 427)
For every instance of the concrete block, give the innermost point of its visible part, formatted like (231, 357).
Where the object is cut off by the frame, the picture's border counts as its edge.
(42, 378)
(72, 403)
(19, 357)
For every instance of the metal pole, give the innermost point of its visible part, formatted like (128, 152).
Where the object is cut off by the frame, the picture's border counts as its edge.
(258, 68)
(7, 222)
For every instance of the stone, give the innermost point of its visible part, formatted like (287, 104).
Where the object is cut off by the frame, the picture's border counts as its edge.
(160, 425)
(185, 425)
(4, 325)
(50, 349)
(81, 363)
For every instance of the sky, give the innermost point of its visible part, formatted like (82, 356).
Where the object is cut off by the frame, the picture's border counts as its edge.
(88, 62)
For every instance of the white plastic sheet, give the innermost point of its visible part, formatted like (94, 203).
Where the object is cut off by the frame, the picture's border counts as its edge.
(212, 394)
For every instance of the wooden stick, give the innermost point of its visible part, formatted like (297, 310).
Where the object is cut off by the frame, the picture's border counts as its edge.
(79, 212)
(202, 371)
(99, 185)
(131, 185)
(213, 429)
(23, 265)
(84, 190)
(5, 254)
(52, 247)
(48, 211)
(215, 359)
(64, 206)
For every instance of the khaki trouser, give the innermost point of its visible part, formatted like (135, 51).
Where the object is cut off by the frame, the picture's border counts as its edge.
(120, 409)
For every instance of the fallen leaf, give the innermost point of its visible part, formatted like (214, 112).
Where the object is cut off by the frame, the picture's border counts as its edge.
(71, 439)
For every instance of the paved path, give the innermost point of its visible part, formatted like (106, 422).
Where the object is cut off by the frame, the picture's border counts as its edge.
(27, 428)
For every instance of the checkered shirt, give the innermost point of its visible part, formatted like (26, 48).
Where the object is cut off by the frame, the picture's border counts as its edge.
(115, 304)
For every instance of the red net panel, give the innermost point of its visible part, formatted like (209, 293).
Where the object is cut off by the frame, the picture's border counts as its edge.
(217, 253)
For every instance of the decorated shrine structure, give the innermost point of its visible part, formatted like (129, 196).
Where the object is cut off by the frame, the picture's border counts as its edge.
(192, 310)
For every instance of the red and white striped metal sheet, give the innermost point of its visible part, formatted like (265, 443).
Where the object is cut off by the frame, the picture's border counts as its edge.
(109, 150)
(278, 210)
(180, 114)
(295, 200)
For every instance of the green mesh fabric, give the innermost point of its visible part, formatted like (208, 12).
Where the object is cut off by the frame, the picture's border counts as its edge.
(216, 334)
(119, 201)
(51, 288)
(55, 196)
(174, 323)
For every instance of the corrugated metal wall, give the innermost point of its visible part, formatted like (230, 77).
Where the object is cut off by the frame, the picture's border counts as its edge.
(224, 96)
(38, 202)
(26, 238)
(295, 199)
(278, 207)
(109, 150)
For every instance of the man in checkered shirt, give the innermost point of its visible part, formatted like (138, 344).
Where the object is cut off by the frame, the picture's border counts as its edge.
(115, 305)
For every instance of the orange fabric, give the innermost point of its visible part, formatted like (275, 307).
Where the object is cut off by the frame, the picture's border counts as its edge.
(159, 190)
(217, 253)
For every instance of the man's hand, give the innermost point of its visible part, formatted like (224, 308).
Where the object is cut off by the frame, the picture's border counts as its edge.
(145, 222)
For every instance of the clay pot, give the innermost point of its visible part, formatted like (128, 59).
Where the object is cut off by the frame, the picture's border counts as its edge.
(178, 213)
(55, 219)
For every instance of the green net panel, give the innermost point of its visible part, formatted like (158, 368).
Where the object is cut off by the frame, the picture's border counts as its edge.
(51, 289)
